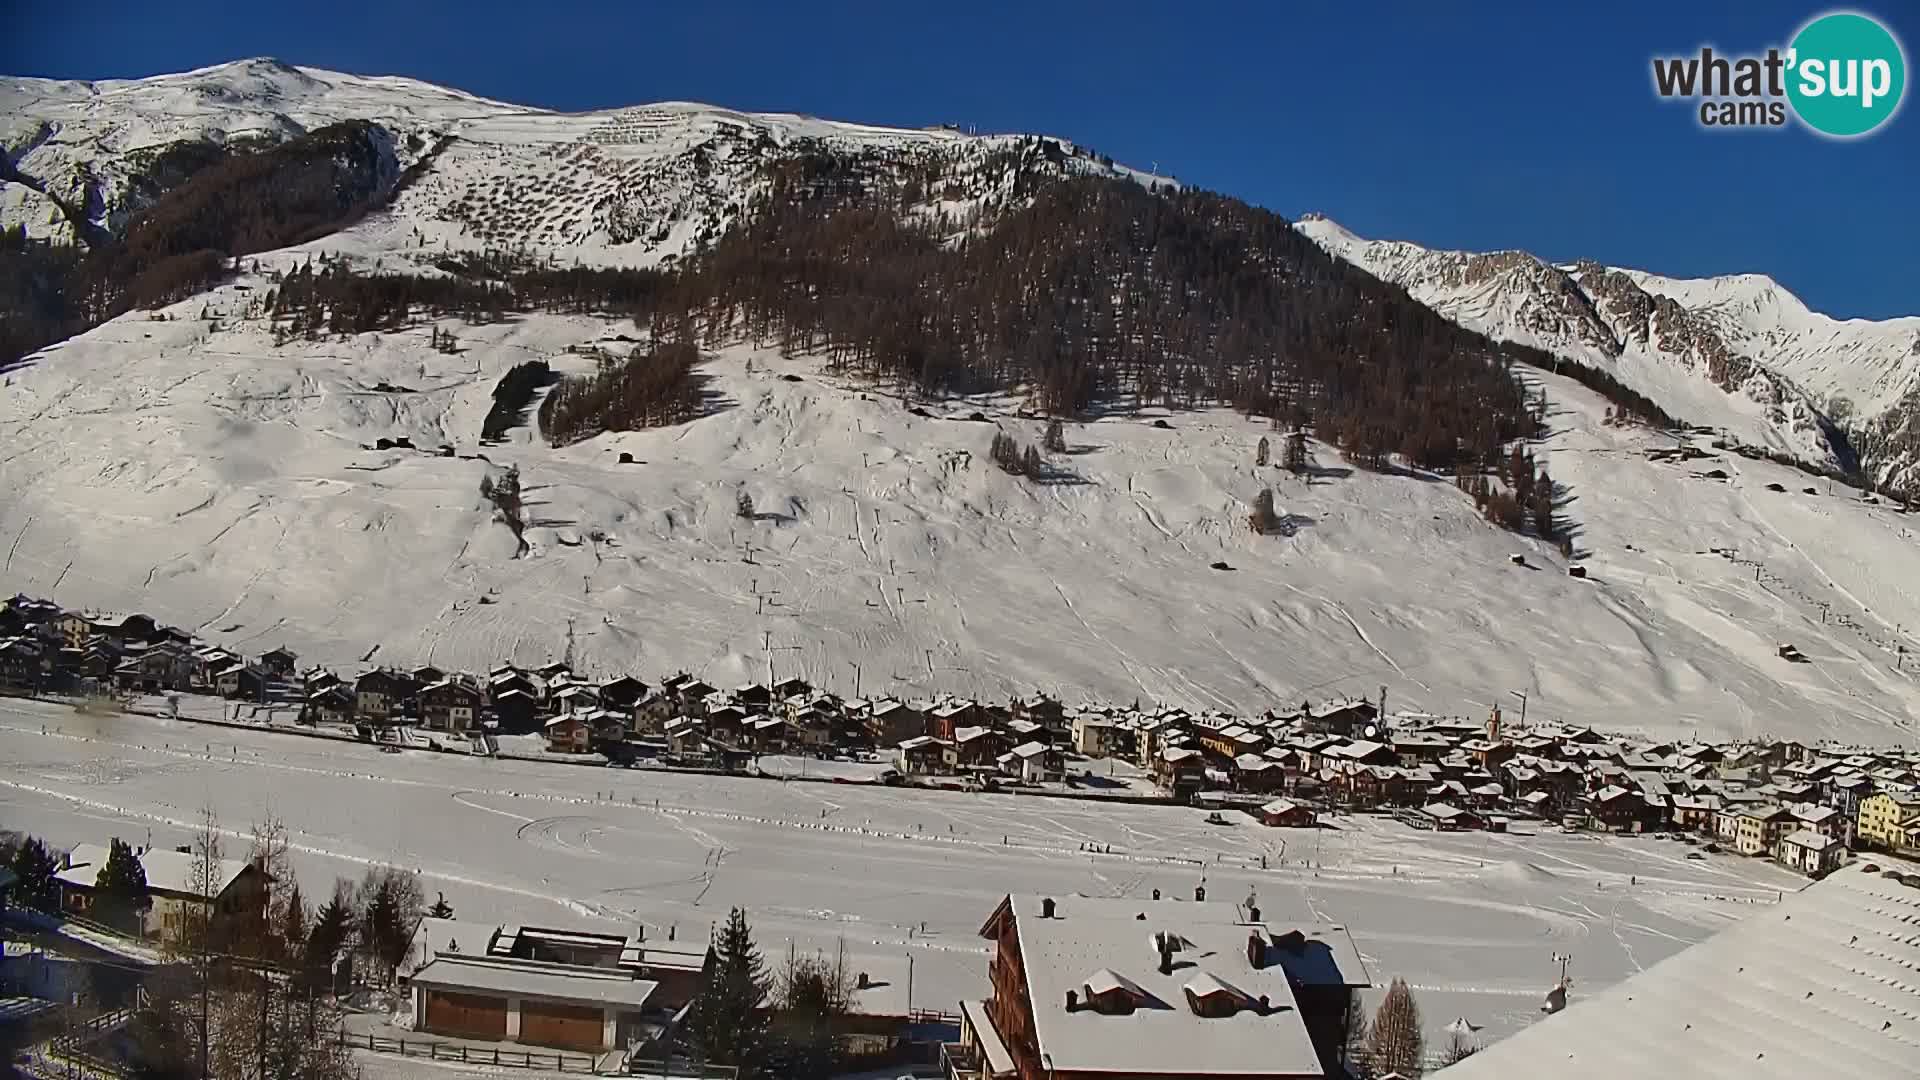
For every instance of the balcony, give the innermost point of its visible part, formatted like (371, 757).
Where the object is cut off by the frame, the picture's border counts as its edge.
(961, 1062)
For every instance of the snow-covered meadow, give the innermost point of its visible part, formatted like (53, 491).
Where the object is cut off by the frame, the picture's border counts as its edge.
(1471, 920)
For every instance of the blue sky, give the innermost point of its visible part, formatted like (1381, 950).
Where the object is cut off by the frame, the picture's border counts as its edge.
(1488, 125)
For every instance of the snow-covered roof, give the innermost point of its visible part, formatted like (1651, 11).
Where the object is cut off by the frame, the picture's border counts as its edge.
(1818, 985)
(1811, 839)
(167, 870)
(1086, 948)
(527, 978)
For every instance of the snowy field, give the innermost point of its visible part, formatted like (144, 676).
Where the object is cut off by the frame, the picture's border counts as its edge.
(191, 470)
(1471, 920)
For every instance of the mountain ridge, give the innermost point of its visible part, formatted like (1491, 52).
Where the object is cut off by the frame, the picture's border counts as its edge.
(1737, 352)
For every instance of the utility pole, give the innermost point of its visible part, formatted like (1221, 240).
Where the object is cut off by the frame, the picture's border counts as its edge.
(855, 664)
(1522, 695)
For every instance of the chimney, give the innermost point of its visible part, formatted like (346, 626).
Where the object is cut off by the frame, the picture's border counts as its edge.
(862, 982)
(1266, 1005)
(1253, 914)
(1256, 951)
(1073, 1001)
(1156, 894)
(1199, 892)
(1046, 907)
(1166, 953)
(643, 932)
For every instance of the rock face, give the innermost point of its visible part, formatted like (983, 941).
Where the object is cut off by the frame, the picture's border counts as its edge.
(1738, 353)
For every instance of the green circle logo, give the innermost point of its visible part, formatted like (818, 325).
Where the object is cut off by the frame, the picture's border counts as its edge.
(1846, 75)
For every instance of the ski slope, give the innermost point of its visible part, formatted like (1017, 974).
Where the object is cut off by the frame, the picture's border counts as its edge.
(187, 468)
(1472, 921)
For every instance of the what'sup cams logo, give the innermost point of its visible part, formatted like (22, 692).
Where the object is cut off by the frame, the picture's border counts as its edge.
(1842, 76)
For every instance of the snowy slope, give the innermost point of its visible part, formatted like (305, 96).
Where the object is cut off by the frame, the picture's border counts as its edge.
(627, 186)
(1739, 352)
(188, 468)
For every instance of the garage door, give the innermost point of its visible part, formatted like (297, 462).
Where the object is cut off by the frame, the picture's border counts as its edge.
(467, 1015)
(569, 1027)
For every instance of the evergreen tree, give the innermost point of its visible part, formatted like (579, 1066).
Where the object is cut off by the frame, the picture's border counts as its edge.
(389, 902)
(1396, 1043)
(728, 1025)
(33, 869)
(331, 928)
(1357, 1037)
(120, 889)
(1030, 464)
(1005, 453)
(1295, 457)
(1056, 439)
(293, 921)
(440, 909)
(1263, 519)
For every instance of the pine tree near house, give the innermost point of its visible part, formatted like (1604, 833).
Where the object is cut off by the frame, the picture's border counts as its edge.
(33, 869)
(1354, 1054)
(729, 1024)
(332, 925)
(1395, 1044)
(293, 921)
(120, 889)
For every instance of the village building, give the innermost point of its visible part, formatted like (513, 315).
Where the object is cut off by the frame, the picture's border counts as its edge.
(569, 733)
(1885, 819)
(924, 755)
(382, 695)
(1099, 736)
(976, 747)
(451, 705)
(1758, 829)
(329, 705)
(179, 884)
(1035, 763)
(1810, 851)
(1179, 770)
(1285, 813)
(1085, 988)
(566, 1006)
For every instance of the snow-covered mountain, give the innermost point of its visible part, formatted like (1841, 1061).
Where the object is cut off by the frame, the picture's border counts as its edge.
(627, 186)
(196, 464)
(1739, 353)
